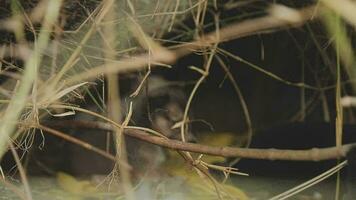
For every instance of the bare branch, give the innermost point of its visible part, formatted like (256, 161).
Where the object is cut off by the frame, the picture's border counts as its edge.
(314, 154)
(80, 143)
(230, 32)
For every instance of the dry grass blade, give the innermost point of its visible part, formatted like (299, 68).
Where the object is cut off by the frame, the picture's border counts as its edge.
(74, 56)
(114, 101)
(47, 100)
(18, 101)
(121, 155)
(309, 183)
(22, 172)
(120, 41)
(233, 31)
(268, 73)
(110, 121)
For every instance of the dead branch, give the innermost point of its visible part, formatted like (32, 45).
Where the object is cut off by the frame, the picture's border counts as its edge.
(314, 154)
(240, 29)
(80, 143)
(247, 28)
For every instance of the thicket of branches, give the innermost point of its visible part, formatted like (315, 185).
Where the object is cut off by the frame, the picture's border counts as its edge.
(73, 44)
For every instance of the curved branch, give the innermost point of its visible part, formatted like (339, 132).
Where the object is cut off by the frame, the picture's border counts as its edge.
(165, 56)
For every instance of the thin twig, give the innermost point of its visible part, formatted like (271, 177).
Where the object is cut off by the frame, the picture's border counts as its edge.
(242, 102)
(22, 172)
(186, 155)
(80, 143)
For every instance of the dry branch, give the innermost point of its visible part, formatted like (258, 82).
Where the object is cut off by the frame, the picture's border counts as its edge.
(314, 154)
(230, 32)
(247, 28)
(80, 143)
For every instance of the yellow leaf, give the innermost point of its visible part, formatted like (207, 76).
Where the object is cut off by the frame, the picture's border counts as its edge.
(70, 184)
(216, 139)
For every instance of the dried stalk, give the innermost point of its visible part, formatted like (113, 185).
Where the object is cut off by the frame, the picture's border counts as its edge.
(29, 77)
(22, 172)
(114, 101)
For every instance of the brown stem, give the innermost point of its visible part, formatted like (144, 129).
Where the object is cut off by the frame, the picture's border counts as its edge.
(79, 142)
(170, 55)
(246, 28)
(314, 154)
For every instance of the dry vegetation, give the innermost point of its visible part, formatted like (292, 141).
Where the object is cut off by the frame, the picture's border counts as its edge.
(124, 36)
